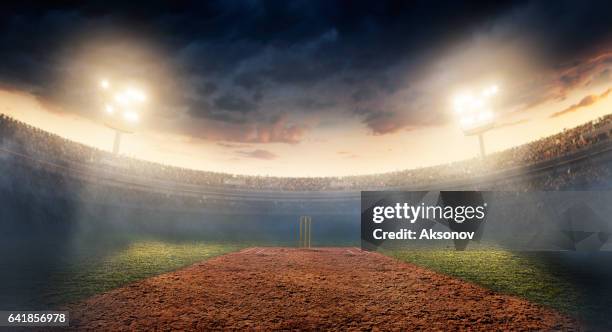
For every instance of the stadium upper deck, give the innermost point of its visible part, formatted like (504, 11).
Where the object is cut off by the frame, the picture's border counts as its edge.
(574, 157)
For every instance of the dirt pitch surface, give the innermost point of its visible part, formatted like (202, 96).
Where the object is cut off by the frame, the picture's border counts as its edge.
(317, 289)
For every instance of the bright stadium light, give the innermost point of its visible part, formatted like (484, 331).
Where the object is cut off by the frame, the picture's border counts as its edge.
(136, 95)
(121, 98)
(490, 91)
(475, 114)
(130, 116)
(123, 108)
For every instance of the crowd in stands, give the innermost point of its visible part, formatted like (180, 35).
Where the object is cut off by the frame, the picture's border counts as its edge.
(24, 140)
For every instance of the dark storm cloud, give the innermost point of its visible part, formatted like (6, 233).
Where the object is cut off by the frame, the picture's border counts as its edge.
(247, 64)
(572, 40)
(277, 129)
(381, 122)
(234, 104)
(225, 108)
(208, 88)
(314, 104)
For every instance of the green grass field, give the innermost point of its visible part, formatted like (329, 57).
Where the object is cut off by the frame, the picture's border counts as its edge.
(546, 278)
(88, 273)
(571, 283)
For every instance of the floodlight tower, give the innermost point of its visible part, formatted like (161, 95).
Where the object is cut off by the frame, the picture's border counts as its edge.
(475, 114)
(122, 110)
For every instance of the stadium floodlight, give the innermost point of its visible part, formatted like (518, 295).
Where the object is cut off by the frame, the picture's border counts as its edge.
(120, 98)
(475, 114)
(135, 95)
(130, 116)
(122, 108)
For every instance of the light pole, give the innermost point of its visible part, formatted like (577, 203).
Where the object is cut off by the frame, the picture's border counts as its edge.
(117, 142)
(475, 114)
(481, 141)
(122, 110)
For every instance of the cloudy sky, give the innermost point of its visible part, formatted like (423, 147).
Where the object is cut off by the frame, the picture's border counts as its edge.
(305, 87)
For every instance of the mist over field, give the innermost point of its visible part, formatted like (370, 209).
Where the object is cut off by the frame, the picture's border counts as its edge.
(48, 228)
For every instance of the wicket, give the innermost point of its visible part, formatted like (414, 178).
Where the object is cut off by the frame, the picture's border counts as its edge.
(305, 231)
